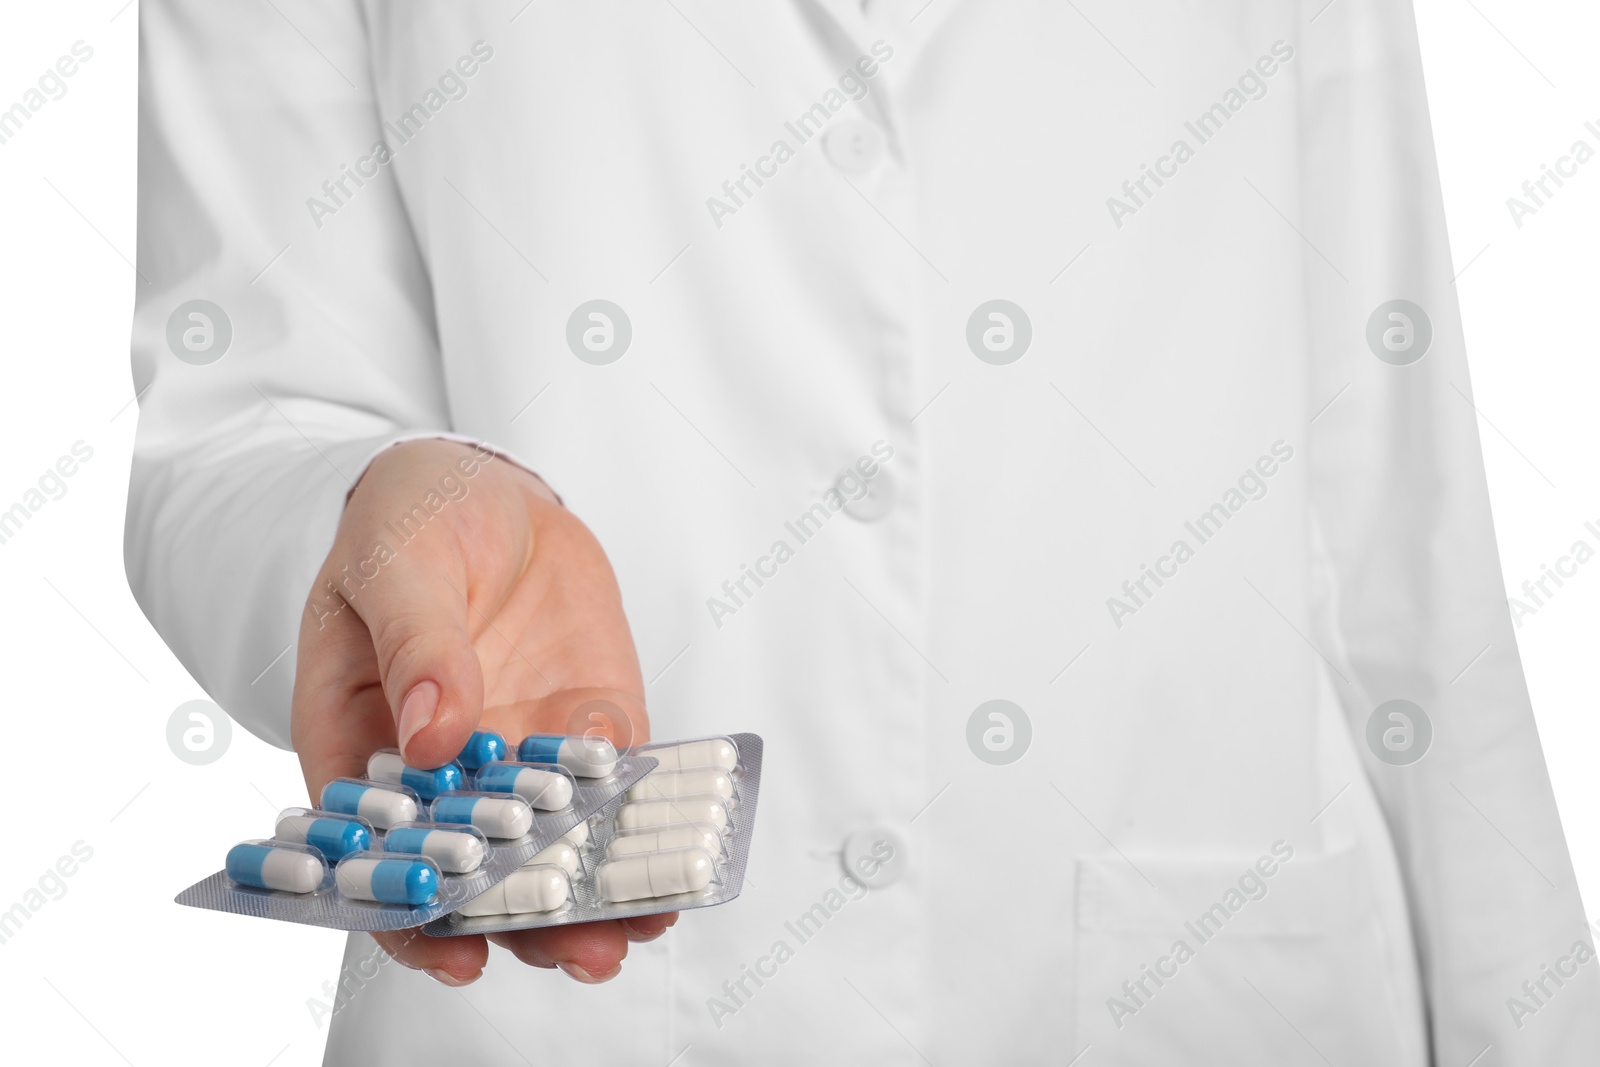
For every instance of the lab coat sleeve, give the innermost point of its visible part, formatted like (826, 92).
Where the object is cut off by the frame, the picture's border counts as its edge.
(1418, 609)
(241, 466)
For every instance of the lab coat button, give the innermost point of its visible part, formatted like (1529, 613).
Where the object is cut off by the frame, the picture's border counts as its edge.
(876, 857)
(854, 145)
(872, 505)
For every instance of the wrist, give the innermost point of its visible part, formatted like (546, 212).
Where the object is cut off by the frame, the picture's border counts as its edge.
(472, 454)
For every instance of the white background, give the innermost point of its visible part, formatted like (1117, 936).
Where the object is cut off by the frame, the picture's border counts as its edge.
(115, 972)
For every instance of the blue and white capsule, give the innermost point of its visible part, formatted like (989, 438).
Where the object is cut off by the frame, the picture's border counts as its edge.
(388, 878)
(284, 866)
(385, 765)
(484, 746)
(456, 849)
(335, 836)
(381, 805)
(587, 755)
(543, 787)
(496, 815)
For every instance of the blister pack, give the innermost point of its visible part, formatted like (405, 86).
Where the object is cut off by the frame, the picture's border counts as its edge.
(405, 845)
(677, 839)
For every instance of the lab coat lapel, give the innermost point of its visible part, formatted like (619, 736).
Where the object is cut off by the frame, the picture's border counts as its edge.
(908, 25)
(845, 21)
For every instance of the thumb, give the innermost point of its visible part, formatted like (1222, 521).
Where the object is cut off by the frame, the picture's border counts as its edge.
(427, 664)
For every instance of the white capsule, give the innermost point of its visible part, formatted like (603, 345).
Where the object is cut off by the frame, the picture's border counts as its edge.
(637, 814)
(683, 835)
(455, 853)
(561, 854)
(525, 890)
(578, 836)
(716, 752)
(666, 785)
(654, 874)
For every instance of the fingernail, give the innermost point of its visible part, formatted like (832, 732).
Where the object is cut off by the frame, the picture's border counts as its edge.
(444, 977)
(417, 711)
(578, 974)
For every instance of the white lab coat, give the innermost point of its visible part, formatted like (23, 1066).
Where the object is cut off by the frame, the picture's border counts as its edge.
(1177, 340)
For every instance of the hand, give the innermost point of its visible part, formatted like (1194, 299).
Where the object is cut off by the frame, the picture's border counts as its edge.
(459, 592)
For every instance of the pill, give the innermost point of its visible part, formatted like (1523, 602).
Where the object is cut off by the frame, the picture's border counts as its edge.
(654, 874)
(578, 836)
(637, 814)
(561, 854)
(715, 752)
(504, 817)
(381, 807)
(388, 881)
(545, 790)
(334, 838)
(454, 851)
(265, 866)
(387, 766)
(525, 890)
(484, 746)
(684, 835)
(588, 755)
(665, 785)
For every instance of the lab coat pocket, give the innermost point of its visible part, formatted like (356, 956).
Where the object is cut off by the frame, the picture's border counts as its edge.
(1276, 958)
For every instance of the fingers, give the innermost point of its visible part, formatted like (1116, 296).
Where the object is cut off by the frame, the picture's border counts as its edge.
(648, 927)
(455, 961)
(340, 715)
(588, 952)
(427, 667)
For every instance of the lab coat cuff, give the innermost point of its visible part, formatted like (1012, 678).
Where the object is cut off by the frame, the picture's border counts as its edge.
(442, 435)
